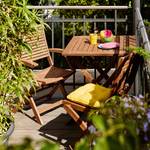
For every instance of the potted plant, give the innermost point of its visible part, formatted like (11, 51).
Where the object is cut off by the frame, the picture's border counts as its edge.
(16, 22)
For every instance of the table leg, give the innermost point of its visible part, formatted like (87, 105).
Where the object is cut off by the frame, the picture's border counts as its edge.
(103, 71)
(87, 75)
(77, 62)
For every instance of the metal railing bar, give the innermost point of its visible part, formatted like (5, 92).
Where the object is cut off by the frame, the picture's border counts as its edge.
(52, 34)
(142, 40)
(126, 26)
(146, 42)
(53, 57)
(63, 33)
(115, 22)
(74, 32)
(79, 7)
(87, 20)
(105, 22)
(95, 23)
(84, 25)
(142, 29)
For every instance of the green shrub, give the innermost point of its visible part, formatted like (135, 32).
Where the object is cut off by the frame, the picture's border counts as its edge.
(17, 21)
(122, 123)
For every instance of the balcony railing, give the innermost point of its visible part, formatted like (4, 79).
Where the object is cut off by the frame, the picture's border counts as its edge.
(143, 41)
(95, 21)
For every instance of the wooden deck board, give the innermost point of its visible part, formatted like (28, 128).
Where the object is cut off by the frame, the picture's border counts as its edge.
(55, 128)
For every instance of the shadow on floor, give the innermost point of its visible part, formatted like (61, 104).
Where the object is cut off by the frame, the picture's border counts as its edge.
(61, 130)
(39, 102)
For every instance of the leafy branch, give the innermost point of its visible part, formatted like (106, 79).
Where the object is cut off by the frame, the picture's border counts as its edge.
(139, 50)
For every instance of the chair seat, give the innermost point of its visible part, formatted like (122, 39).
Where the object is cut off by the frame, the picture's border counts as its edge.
(90, 94)
(52, 75)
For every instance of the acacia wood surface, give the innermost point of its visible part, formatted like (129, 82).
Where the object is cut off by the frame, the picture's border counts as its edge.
(80, 46)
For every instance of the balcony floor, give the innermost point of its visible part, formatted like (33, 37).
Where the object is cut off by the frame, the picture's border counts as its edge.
(56, 126)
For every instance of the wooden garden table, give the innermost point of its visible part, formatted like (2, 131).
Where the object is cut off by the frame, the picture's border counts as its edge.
(79, 47)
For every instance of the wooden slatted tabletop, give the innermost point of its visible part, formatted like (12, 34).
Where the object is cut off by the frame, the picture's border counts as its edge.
(80, 46)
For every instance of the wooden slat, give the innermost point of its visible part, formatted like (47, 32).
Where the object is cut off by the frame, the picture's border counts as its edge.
(53, 72)
(80, 46)
(76, 117)
(77, 106)
(36, 52)
(35, 58)
(71, 45)
(39, 46)
(49, 107)
(78, 42)
(85, 44)
(35, 110)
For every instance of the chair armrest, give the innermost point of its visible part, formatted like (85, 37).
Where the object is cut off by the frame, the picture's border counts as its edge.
(44, 81)
(56, 50)
(29, 63)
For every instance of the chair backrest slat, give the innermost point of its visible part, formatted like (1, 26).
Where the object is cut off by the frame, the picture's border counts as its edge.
(119, 82)
(39, 46)
(124, 76)
(126, 41)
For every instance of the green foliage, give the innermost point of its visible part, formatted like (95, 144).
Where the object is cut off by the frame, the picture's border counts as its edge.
(43, 2)
(121, 123)
(141, 51)
(77, 27)
(110, 135)
(147, 23)
(145, 3)
(17, 21)
(29, 144)
(70, 28)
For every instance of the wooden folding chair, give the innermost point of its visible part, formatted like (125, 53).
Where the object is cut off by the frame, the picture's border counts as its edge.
(49, 77)
(120, 82)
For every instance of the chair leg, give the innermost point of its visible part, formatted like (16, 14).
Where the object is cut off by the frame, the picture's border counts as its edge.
(63, 90)
(35, 110)
(50, 94)
(76, 117)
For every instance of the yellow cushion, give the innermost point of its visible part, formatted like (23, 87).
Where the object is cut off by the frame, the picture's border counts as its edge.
(90, 94)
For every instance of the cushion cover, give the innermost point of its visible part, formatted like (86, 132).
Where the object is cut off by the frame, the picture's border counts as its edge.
(90, 94)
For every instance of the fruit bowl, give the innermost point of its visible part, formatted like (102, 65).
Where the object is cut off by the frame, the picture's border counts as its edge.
(106, 36)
